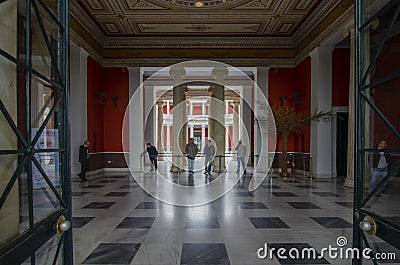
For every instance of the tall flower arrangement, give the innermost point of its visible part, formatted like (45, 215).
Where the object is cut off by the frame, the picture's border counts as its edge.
(287, 120)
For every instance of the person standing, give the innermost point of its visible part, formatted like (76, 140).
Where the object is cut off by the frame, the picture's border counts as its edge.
(191, 152)
(241, 153)
(380, 168)
(153, 154)
(209, 153)
(83, 159)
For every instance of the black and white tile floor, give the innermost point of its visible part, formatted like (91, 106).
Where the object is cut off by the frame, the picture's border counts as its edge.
(116, 222)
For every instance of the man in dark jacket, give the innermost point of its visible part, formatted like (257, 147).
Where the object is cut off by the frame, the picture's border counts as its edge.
(380, 168)
(191, 152)
(153, 153)
(83, 159)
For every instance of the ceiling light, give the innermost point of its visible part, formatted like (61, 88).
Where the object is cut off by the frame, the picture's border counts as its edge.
(199, 4)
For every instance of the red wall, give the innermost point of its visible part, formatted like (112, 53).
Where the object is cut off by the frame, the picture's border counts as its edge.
(303, 85)
(386, 96)
(340, 76)
(105, 120)
(94, 109)
(284, 82)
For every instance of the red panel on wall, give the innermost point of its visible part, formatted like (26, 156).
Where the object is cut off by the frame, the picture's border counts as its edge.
(94, 108)
(303, 86)
(105, 120)
(340, 76)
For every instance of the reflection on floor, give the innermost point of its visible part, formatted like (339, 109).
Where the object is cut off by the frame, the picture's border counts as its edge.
(116, 222)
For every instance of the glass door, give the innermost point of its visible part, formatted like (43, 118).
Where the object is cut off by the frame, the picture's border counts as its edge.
(35, 192)
(377, 197)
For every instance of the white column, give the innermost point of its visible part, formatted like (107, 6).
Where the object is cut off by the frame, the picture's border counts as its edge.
(160, 135)
(226, 127)
(191, 109)
(203, 132)
(246, 100)
(321, 99)
(203, 109)
(169, 138)
(349, 181)
(191, 130)
(261, 136)
(78, 102)
(168, 106)
(136, 124)
(236, 123)
(149, 114)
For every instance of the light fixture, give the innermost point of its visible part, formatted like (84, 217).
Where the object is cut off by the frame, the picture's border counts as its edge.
(283, 99)
(101, 96)
(199, 4)
(114, 99)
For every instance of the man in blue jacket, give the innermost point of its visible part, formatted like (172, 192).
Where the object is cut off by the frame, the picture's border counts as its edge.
(153, 153)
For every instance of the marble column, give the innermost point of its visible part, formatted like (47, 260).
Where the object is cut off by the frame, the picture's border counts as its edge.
(136, 123)
(236, 124)
(179, 128)
(349, 181)
(168, 128)
(160, 125)
(191, 127)
(203, 133)
(216, 124)
(9, 214)
(247, 123)
(226, 127)
(78, 102)
(321, 99)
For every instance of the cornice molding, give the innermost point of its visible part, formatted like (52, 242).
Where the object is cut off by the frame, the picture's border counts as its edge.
(338, 25)
(82, 43)
(199, 42)
(162, 62)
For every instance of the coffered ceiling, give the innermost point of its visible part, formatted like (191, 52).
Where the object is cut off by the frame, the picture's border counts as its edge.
(161, 31)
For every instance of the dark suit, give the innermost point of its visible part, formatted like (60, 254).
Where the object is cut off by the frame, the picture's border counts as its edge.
(83, 159)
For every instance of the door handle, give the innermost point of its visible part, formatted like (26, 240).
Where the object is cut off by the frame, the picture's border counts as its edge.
(368, 225)
(62, 225)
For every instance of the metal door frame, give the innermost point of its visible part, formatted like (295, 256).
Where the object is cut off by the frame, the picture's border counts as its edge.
(25, 244)
(388, 230)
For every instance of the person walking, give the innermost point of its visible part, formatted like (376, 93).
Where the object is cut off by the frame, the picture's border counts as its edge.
(191, 152)
(209, 153)
(153, 154)
(380, 168)
(241, 153)
(83, 159)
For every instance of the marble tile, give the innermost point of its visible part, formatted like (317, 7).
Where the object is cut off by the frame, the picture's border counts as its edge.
(127, 235)
(107, 181)
(325, 194)
(252, 205)
(268, 222)
(93, 186)
(78, 222)
(284, 194)
(332, 222)
(203, 253)
(271, 187)
(195, 222)
(79, 193)
(303, 205)
(118, 177)
(346, 204)
(112, 253)
(99, 205)
(297, 261)
(149, 205)
(158, 254)
(306, 187)
(116, 194)
(137, 222)
(243, 194)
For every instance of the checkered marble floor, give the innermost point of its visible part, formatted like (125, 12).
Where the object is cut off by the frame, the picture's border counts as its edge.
(116, 222)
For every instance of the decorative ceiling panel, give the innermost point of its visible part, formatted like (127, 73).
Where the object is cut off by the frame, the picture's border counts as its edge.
(208, 28)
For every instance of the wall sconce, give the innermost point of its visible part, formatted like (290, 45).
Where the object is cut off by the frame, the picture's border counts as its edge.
(296, 96)
(282, 99)
(101, 96)
(114, 99)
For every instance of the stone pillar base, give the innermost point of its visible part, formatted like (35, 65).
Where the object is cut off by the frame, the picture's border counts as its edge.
(349, 183)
